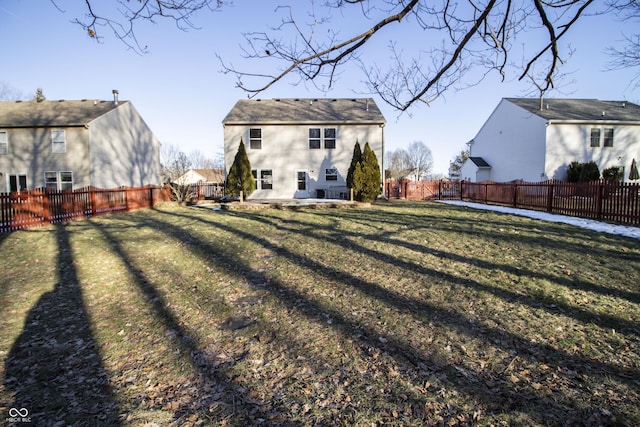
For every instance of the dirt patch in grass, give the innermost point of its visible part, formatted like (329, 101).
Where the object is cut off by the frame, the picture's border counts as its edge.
(397, 314)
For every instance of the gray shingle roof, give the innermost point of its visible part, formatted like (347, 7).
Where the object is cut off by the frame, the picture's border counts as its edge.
(301, 110)
(580, 109)
(52, 113)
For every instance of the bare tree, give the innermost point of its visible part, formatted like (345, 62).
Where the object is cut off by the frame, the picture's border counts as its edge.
(465, 38)
(399, 164)
(420, 159)
(9, 93)
(629, 55)
(459, 43)
(175, 164)
(122, 19)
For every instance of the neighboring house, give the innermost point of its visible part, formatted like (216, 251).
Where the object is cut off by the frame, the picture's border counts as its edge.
(521, 140)
(302, 148)
(65, 145)
(202, 176)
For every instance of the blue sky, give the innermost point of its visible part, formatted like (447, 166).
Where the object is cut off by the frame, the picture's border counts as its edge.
(180, 92)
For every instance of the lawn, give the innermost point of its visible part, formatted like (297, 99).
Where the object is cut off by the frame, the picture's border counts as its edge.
(398, 314)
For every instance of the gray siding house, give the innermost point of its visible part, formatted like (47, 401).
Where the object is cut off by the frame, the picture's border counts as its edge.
(65, 145)
(531, 140)
(302, 148)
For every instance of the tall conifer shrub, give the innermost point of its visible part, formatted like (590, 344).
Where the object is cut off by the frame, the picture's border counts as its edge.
(240, 177)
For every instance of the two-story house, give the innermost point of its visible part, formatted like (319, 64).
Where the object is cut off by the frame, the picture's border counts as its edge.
(536, 140)
(64, 145)
(302, 148)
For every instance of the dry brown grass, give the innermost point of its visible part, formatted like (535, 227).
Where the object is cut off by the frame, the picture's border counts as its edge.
(398, 314)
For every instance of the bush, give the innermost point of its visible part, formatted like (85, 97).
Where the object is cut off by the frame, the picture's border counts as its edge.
(583, 172)
(613, 173)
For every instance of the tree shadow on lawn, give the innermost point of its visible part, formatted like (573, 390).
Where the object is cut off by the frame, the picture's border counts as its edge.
(504, 397)
(347, 239)
(54, 367)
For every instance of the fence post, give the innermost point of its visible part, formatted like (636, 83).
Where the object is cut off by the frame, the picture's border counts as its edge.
(550, 197)
(126, 198)
(150, 196)
(599, 198)
(46, 203)
(94, 201)
(515, 195)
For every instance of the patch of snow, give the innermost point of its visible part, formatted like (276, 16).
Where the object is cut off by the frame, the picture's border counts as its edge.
(602, 227)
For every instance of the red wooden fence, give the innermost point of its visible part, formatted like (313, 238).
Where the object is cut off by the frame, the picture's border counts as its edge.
(600, 200)
(40, 207)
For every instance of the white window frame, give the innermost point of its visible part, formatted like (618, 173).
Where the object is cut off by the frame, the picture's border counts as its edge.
(4, 142)
(319, 141)
(58, 141)
(326, 138)
(17, 177)
(594, 137)
(607, 140)
(255, 140)
(263, 181)
(331, 174)
(58, 180)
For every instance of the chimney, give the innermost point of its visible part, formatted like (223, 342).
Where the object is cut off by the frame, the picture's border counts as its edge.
(115, 96)
(367, 107)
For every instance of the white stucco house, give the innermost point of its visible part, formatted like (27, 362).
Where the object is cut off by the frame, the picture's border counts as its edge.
(531, 140)
(302, 148)
(65, 145)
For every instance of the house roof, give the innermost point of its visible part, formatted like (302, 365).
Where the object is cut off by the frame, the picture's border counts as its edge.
(305, 110)
(211, 175)
(480, 162)
(580, 109)
(53, 113)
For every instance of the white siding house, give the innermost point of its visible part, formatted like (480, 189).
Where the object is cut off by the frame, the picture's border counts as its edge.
(302, 148)
(520, 140)
(64, 145)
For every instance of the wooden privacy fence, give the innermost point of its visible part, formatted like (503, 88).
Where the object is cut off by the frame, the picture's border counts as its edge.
(600, 200)
(40, 207)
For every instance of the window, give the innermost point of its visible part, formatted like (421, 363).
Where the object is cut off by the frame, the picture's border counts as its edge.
(66, 181)
(301, 180)
(17, 183)
(255, 139)
(608, 137)
(331, 174)
(329, 138)
(314, 138)
(4, 142)
(595, 137)
(266, 179)
(58, 180)
(265, 182)
(317, 136)
(58, 141)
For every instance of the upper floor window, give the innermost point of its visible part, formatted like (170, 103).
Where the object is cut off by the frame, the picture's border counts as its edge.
(314, 138)
(595, 137)
(59, 141)
(329, 138)
(318, 136)
(255, 138)
(608, 137)
(4, 142)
